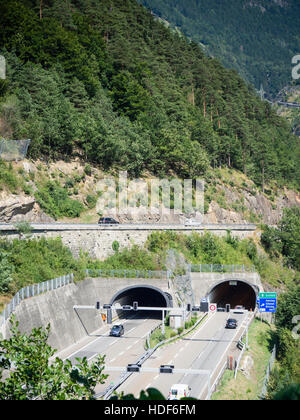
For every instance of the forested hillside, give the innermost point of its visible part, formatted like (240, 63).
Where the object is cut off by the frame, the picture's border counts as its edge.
(258, 39)
(104, 80)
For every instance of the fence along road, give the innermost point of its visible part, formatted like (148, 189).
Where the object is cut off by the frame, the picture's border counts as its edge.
(31, 291)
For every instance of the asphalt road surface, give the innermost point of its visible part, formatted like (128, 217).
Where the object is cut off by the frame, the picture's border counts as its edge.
(204, 349)
(118, 351)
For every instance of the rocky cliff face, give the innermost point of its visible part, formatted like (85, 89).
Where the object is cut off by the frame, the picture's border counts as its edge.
(230, 197)
(16, 208)
(253, 208)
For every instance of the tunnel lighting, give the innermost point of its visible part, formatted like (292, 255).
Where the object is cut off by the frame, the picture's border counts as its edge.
(204, 307)
(133, 368)
(166, 368)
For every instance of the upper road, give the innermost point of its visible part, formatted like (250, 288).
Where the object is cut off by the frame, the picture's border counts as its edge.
(127, 226)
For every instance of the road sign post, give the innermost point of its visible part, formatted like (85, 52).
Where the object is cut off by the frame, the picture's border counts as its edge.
(212, 307)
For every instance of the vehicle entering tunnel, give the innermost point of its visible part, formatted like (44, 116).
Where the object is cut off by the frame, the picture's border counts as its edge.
(235, 292)
(148, 296)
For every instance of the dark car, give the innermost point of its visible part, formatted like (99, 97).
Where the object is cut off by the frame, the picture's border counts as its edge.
(117, 331)
(231, 323)
(107, 221)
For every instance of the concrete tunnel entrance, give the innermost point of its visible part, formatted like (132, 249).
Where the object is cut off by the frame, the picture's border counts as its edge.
(234, 292)
(145, 296)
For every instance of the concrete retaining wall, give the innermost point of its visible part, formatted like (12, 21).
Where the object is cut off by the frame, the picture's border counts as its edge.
(98, 240)
(56, 307)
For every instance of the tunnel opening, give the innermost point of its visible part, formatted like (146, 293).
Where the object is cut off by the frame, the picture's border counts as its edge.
(234, 292)
(147, 296)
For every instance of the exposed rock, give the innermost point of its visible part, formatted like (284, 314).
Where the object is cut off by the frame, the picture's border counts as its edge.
(246, 366)
(17, 208)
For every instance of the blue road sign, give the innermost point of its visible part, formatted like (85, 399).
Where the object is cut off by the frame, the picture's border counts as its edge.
(267, 305)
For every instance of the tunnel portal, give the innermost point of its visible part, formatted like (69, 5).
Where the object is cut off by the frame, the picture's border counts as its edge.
(145, 296)
(234, 292)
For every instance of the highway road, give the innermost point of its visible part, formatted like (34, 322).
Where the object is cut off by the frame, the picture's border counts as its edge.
(119, 351)
(204, 349)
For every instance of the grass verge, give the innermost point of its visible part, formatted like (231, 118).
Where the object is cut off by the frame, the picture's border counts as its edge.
(248, 386)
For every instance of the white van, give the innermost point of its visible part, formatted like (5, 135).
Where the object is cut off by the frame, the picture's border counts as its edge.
(179, 391)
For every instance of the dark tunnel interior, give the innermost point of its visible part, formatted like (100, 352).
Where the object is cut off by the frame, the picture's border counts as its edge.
(145, 296)
(233, 293)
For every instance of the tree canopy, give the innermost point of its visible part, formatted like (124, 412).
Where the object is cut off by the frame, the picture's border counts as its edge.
(106, 81)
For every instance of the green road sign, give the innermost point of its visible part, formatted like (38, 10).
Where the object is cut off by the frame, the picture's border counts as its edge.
(268, 295)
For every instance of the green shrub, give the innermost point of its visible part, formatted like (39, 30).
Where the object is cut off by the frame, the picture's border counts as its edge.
(91, 201)
(55, 201)
(33, 261)
(115, 246)
(8, 177)
(88, 170)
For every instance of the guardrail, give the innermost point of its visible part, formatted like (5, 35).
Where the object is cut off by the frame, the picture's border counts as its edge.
(221, 268)
(130, 274)
(34, 290)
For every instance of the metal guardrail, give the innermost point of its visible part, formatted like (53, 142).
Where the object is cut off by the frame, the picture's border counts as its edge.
(130, 274)
(34, 290)
(268, 372)
(222, 268)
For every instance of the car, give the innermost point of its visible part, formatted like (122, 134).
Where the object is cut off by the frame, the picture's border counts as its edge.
(191, 222)
(231, 324)
(179, 391)
(107, 221)
(239, 309)
(117, 331)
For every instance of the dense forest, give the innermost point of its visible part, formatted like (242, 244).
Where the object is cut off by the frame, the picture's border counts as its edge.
(258, 39)
(104, 80)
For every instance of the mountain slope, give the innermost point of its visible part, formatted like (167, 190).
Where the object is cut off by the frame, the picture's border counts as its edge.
(257, 38)
(103, 80)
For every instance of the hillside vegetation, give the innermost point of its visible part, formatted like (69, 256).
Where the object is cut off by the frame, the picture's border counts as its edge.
(258, 38)
(105, 81)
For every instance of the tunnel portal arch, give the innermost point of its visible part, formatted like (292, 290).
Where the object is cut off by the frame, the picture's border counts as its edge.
(145, 295)
(234, 292)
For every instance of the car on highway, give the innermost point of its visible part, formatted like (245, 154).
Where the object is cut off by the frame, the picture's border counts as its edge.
(231, 324)
(117, 331)
(107, 221)
(191, 222)
(239, 309)
(179, 391)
